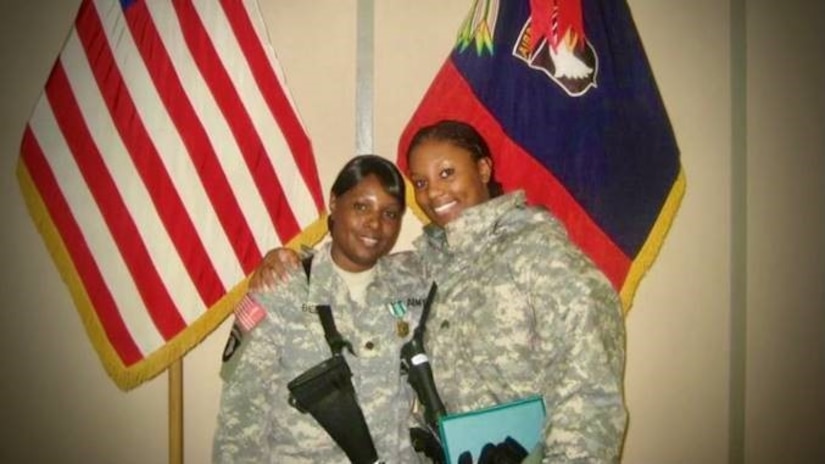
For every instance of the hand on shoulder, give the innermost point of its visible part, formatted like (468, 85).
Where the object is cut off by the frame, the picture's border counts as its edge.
(274, 269)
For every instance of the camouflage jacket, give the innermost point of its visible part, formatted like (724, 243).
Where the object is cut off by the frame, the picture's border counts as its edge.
(256, 423)
(520, 310)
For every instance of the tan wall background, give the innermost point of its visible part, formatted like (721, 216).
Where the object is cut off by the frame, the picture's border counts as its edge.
(693, 396)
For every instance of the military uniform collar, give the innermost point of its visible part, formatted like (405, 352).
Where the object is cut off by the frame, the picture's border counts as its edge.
(324, 281)
(473, 227)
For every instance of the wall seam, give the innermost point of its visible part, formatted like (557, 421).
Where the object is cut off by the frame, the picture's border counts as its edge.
(739, 238)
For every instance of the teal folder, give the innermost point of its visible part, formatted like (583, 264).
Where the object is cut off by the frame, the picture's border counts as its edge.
(522, 420)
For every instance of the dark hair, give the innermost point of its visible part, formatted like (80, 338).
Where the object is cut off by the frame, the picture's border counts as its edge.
(363, 166)
(461, 135)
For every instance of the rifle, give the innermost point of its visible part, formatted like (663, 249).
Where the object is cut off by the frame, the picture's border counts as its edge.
(325, 391)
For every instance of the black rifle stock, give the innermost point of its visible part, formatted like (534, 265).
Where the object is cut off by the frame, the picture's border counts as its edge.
(325, 391)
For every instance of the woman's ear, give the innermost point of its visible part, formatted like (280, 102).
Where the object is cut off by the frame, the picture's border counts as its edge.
(331, 204)
(485, 169)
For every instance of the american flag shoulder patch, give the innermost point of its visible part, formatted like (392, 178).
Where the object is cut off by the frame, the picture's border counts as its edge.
(248, 314)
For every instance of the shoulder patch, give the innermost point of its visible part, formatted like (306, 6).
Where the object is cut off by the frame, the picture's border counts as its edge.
(233, 343)
(248, 313)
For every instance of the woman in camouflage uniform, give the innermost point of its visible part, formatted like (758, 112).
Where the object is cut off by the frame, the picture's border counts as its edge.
(520, 309)
(374, 299)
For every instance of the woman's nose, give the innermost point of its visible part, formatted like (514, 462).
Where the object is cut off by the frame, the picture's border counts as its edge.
(372, 219)
(434, 189)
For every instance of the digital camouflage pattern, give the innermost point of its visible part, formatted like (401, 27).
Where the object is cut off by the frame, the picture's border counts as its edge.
(256, 423)
(520, 310)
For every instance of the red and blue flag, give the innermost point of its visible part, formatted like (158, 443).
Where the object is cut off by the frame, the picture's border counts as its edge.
(564, 94)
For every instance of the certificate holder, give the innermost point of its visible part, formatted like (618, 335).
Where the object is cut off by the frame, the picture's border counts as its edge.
(523, 420)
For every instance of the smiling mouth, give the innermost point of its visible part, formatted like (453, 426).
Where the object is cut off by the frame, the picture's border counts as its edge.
(441, 209)
(369, 241)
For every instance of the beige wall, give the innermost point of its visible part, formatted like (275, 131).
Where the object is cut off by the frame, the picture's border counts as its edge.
(59, 406)
(785, 401)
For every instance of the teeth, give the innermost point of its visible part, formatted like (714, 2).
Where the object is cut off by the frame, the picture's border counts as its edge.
(444, 207)
(369, 241)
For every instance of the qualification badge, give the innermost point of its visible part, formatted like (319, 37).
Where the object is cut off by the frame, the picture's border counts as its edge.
(399, 309)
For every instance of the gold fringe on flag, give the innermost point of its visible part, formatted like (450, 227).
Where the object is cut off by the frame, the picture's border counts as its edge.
(650, 250)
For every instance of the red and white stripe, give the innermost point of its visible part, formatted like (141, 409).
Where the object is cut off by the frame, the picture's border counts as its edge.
(169, 157)
(248, 313)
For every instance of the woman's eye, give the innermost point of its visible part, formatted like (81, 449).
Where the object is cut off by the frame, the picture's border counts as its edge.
(360, 206)
(447, 172)
(392, 215)
(419, 184)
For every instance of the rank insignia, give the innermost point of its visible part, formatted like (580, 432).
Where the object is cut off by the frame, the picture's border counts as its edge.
(402, 329)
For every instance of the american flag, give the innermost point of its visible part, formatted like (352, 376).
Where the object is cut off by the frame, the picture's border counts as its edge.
(163, 159)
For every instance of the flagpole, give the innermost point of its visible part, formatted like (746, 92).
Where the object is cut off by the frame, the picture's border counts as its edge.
(176, 412)
(364, 140)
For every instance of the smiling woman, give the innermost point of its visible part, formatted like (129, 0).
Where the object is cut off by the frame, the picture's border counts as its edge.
(445, 179)
(354, 279)
(521, 311)
(366, 207)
